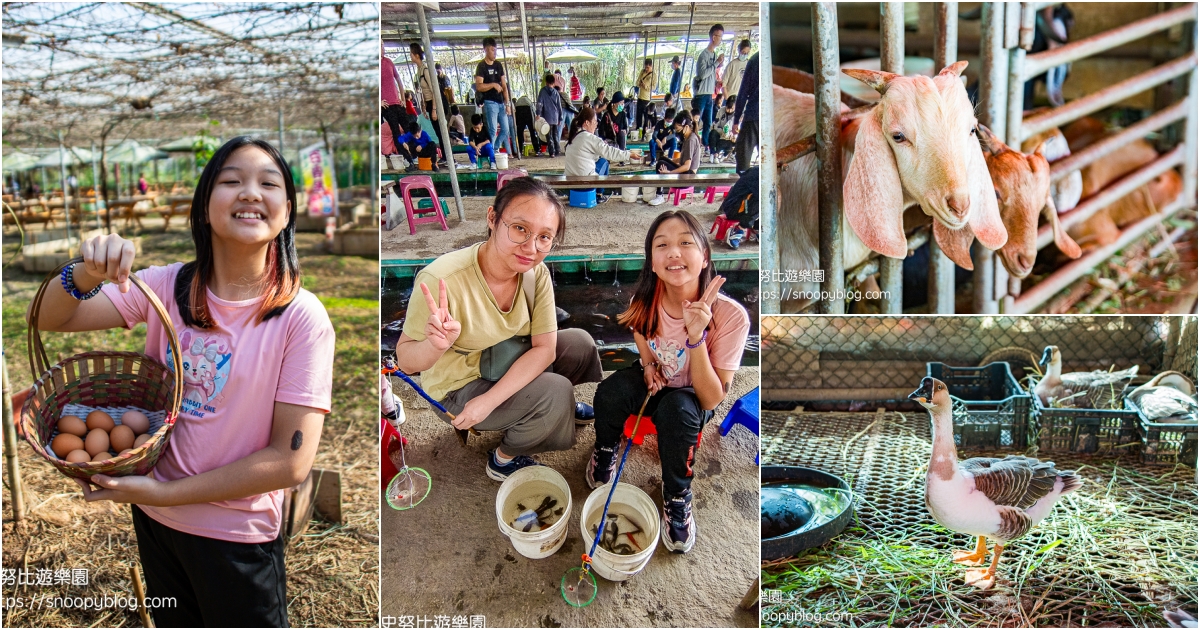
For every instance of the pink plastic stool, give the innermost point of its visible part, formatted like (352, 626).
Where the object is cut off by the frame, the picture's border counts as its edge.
(682, 193)
(721, 225)
(503, 176)
(415, 217)
(645, 428)
(712, 191)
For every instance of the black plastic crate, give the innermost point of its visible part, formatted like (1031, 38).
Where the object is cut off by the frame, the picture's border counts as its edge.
(1071, 430)
(991, 410)
(1165, 442)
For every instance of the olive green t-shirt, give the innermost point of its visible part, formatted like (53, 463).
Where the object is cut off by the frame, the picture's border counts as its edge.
(472, 304)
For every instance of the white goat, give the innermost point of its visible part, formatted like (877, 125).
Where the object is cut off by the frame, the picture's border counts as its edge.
(918, 147)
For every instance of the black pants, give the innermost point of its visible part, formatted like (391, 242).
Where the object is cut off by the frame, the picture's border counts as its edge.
(397, 119)
(676, 414)
(214, 583)
(747, 143)
(525, 121)
(664, 161)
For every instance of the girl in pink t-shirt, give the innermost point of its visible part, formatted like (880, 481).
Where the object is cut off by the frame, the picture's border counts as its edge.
(257, 357)
(690, 338)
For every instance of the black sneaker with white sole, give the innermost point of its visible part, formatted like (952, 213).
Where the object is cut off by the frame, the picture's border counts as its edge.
(500, 472)
(602, 466)
(678, 527)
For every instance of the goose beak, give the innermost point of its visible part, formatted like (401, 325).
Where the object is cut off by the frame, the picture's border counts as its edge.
(1046, 354)
(924, 394)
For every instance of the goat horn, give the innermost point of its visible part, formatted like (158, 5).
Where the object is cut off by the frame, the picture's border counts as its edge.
(877, 79)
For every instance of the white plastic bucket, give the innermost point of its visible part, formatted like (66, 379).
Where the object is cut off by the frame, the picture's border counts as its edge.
(634, 505)
(629, 194)
(649, 193)
(501, 161)
(529, 482)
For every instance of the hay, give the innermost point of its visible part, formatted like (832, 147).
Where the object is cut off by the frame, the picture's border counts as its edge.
(1115, 553)
(332, 570)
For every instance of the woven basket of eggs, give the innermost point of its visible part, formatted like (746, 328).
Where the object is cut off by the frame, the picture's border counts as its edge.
(108, 413)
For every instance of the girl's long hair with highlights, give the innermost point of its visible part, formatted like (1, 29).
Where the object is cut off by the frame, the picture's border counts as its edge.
(281, 282)
(642, 314)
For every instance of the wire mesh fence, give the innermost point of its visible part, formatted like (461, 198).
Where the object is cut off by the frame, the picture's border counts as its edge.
(807, 358)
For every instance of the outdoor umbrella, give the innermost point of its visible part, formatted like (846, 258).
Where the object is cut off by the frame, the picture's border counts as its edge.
(17, 161)
(66, 158)
(571, 55)
(664, 51)
(134, 152)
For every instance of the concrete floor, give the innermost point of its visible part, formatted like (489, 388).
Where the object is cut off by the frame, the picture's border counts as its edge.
(447, 556)
(613, 227)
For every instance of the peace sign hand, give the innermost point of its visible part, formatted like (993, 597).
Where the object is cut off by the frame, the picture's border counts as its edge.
(697, 315)
(441, 329)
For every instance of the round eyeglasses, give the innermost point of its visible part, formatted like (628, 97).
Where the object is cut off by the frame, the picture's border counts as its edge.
(519, 234)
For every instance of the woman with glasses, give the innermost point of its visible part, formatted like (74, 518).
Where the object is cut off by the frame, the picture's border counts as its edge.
(487, 343)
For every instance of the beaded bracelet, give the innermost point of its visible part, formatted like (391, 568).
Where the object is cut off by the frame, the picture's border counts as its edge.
(68, 284)
(703, 336)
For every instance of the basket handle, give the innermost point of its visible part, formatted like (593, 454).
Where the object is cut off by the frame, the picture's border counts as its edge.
(39, 362)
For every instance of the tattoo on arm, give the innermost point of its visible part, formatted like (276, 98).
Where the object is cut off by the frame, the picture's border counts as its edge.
(297, 440)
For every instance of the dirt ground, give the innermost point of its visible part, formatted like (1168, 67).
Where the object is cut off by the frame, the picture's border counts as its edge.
(613, 227)
(447, 557)
(332, 570)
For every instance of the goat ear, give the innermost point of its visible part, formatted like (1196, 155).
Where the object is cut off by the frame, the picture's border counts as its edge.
(956, 244)
(985, 218)
(877, 79)
(955, 69)
(1061, 239)
(871, 194)
(988, 140)
(1040, 151)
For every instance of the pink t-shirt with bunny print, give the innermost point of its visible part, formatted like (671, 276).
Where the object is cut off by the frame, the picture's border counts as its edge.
(726, 341)
(233, 376)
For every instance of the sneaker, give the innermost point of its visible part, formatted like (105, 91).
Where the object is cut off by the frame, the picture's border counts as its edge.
(602, 466)
(469, 167)
(500, 472)
(584, 414)
(492, 166)
(678, 527)
(734, 237)
(658, 201)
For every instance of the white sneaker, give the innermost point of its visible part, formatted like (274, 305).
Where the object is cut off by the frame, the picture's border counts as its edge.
(658, 201)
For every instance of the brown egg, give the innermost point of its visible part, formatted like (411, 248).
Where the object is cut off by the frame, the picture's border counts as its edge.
(73, 425)
(77, 457)
(121, 437)
(101, 458)
(141, 439)
(64, 443)
(128, 450)
(96, 442)
(137, 421)
(99, 420)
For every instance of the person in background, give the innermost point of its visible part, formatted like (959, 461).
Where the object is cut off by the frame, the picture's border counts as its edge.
(492, 86)
(427, 92)
(735, 70)
(722, 133)
(745, 116)
(645, 88)
(410, 105)
(417, 144)
(444, 86)
(392, 105)
(587, 101)
(568, 108)
(663, 141)
(704, 84)
(676, 76)
(524, 118)
(479, 144)
(560, 82)
(689, 153)
(614, 125)
(586, 153)
(600, 102)
(549, 107)
(142, 185)
(577, 91)
(458, 130)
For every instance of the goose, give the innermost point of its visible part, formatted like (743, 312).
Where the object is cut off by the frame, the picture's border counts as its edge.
(1168, 397)
(1103, 389)
(986, 497)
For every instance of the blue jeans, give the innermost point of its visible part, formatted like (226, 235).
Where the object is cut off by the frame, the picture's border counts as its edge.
(704, 103)
(493, 111)
(485, 150)
(567, 118)
(669, 147)
(601, 166)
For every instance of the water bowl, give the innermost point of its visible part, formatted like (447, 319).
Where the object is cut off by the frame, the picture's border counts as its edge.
(801, 508)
